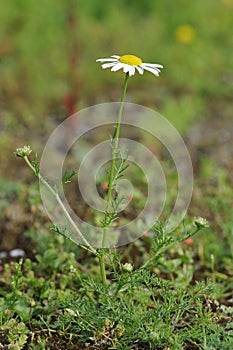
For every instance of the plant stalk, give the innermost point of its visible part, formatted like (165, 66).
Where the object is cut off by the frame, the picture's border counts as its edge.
(102, 269)
(55, 194)
(115, 142)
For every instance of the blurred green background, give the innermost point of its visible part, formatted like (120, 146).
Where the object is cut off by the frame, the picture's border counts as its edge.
(48, 70)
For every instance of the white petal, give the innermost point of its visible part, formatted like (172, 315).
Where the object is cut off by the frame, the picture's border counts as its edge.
(151, 65)
(117, 66)
(140, 69)
(106, 60)
(131, 71)
(126, 68)
(108, 65)
(152, 70)
(115, 56)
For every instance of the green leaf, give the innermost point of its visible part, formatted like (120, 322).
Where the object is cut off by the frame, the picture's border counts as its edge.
(67, 176)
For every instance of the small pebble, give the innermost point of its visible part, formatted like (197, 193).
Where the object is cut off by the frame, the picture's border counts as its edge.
(16, 253)
(3, 255)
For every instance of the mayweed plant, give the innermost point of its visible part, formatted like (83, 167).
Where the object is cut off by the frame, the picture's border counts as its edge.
(130, 64)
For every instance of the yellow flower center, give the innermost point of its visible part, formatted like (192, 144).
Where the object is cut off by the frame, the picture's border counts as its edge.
(131, 60)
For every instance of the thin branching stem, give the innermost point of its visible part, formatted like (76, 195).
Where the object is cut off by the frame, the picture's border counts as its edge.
(58, 199)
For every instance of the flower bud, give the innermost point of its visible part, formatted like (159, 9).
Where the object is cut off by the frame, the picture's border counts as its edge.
(200, 222)
(23, 151)
(127, 267)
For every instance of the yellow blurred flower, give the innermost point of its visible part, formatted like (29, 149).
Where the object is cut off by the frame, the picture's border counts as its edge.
(227, 2)
(185, 33)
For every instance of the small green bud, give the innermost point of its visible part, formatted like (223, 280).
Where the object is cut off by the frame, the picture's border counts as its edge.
(127, 267)
(23, 151)
(200, 222)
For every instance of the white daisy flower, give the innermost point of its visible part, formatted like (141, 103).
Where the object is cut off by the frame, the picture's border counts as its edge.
(130, 64)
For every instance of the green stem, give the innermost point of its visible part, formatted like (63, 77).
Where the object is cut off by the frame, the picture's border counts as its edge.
(102, 269)
(115, 142)
(55, 194)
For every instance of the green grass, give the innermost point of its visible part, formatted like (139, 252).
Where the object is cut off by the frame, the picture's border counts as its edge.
(58, 298)
(177, 296)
